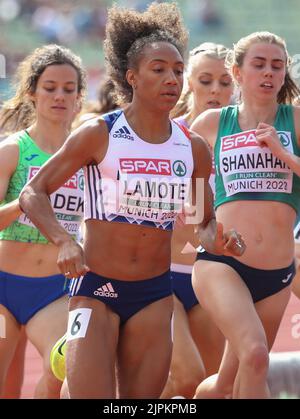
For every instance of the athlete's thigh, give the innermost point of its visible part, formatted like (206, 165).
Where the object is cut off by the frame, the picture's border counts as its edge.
(48, 325)
(144, 351)
(15, 374)
(92, 338)
(186, 359)
(208, 338)
(227, 299)
(10, 331)
(270, 311)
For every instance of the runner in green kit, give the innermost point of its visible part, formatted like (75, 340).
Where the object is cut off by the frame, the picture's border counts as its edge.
(256, 146)
(50, 86)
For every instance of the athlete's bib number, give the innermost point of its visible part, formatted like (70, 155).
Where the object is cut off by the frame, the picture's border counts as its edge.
(76, 325)
(77, 329)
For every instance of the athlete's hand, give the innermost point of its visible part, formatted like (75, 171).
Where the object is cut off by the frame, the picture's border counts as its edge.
(266, 136)
(229, 243)
(186, 216)
(71, 260)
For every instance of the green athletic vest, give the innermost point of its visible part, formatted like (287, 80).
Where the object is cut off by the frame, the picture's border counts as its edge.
(245, 171)
(67, 201)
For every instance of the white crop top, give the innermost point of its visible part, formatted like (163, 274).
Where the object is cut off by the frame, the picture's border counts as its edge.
(139, 182)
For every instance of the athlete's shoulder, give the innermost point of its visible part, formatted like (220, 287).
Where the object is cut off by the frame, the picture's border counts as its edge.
(11, 138)
(86, 142)
(94, 127)
(207, 125)
(10, 145)
(9, 153)
(208, 115)
(207, 121)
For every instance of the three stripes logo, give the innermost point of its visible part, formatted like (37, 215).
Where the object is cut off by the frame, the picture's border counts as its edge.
(123, 133)
(106, 291)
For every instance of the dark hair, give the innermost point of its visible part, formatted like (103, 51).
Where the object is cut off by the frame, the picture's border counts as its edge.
(106, 103)
(19, 112)
(129, 31)
(289, 90)
(106, 100)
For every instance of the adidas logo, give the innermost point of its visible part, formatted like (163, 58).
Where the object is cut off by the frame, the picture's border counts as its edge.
(106, 291)
(123, 133)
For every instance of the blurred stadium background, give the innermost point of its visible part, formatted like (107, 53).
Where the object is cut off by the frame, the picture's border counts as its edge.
(80, 25)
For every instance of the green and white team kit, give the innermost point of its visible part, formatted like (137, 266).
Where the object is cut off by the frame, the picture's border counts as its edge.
(67, 201)
(247, 171)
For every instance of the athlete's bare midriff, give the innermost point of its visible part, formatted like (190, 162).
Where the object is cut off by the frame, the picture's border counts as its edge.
(28, 259)
(126, 252)
(261, 223)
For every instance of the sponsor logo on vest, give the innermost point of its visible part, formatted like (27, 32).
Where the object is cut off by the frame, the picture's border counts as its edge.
(284, 138)
(33, 156)
(71, 183)
(146, 166)
(242, 139)
(248, 139)
(123, 133)
(81, 182)
(179, 168)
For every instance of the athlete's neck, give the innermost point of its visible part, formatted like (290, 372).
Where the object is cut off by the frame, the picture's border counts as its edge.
(48, 136)
(251, 114)
(149, 126)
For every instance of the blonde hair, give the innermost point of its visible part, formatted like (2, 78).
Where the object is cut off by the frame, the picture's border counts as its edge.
(289, 90)
(208, 49)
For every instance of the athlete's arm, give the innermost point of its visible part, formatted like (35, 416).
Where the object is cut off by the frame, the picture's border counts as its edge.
(206, 125)
(209, 231)
(86, 145)
(9, 154)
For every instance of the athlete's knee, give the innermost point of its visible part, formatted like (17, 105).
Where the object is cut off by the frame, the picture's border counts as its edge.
(256, 358)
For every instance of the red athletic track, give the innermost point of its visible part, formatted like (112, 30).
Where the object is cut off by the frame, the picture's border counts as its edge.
(285, 342)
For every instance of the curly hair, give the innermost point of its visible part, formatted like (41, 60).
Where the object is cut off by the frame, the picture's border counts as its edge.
(129, 31)
(289, 90)
(19, 112)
